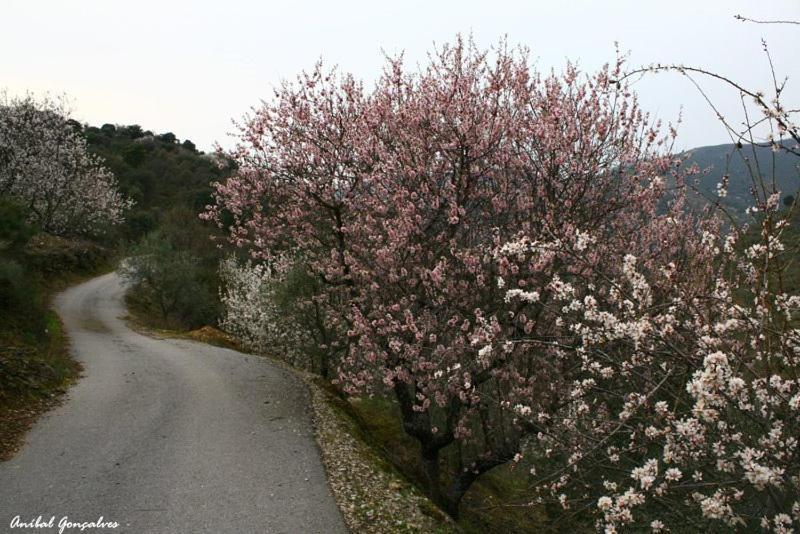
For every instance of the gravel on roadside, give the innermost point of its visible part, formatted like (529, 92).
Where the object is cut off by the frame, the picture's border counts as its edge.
(372, 496)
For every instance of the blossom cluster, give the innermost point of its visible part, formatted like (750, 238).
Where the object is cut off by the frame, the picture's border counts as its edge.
(250, 298)
(683, 392)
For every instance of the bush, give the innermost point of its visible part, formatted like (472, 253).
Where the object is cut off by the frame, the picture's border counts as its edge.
(17, 295)
(14, 228)
(52, 255)
(168, 282)
(174, 270)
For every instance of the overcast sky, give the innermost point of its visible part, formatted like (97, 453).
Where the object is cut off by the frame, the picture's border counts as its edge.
(191, 67)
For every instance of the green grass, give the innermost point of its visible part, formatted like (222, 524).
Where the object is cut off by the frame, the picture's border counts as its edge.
(33, 376)
(36, 370)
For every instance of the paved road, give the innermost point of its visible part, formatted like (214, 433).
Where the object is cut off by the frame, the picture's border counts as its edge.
(168, 436)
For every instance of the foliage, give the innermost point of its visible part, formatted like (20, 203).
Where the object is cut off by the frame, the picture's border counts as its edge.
(15, 230)
(45, 166)
(155, 171)
(175, 272)
(16, 293)
(55, 256)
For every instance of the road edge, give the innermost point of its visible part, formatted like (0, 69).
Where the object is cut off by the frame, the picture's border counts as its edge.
(372, 496)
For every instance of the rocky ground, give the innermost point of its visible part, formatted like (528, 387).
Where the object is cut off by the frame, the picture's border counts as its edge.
(372, 496)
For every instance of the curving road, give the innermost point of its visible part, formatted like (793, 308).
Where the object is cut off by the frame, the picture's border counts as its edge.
(168, 436)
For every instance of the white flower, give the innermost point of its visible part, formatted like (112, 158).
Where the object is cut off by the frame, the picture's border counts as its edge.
(523, 410)
(646, 474)
(525, 296)
(604, 503)
(582, 240)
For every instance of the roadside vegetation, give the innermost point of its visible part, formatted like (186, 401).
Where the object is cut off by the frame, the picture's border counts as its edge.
(56, 202)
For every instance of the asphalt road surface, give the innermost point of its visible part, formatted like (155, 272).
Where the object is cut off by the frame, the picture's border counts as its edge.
(167, 436)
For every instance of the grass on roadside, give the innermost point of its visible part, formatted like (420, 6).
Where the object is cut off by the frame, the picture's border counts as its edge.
(36, 367)
(497, 502)
(35, 375)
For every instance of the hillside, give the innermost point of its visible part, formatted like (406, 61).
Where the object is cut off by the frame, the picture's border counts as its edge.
(169, 182)
(159, 172)
(718, 160)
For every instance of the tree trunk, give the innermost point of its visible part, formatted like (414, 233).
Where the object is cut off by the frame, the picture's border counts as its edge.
(324, 364)
(458, 488)
(464, 480)
(324, 367)
(418, 425)
(430, 464)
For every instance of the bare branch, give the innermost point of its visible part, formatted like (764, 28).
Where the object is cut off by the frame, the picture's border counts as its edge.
(746, 19)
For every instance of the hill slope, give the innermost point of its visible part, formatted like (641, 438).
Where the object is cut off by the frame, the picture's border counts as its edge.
(741, 165)
(159, 172)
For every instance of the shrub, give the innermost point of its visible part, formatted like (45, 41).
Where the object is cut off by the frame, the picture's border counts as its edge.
(14, 227)
(168, 282)
(17, 295)
(272, 309)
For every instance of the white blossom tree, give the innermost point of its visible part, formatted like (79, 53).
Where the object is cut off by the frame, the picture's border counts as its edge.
(45, 165)
(677, 403)
(679, 382)
(261, 316)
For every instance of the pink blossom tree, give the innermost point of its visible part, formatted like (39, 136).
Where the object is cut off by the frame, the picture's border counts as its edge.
(303, 161)
(418, 206)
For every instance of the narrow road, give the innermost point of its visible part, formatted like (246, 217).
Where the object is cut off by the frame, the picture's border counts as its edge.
(168, 436)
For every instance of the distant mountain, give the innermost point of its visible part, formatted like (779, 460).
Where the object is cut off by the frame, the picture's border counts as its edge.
(741, 165)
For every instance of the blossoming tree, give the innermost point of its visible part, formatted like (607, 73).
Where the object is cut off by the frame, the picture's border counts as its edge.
(684, 390)
(45, 165)
(497, 249)
(270, 308)
(556, 156)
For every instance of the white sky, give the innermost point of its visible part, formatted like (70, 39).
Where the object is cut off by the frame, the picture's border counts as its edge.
(191, 67)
